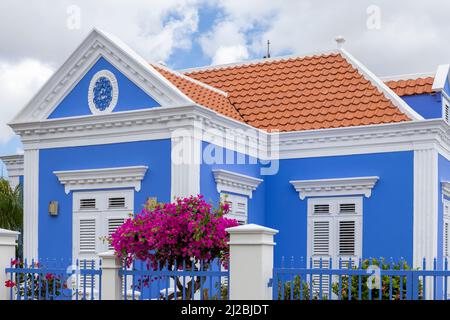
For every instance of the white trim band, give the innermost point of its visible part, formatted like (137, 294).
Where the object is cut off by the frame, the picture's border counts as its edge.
(123, 177)
(335, 187)
(235, 182)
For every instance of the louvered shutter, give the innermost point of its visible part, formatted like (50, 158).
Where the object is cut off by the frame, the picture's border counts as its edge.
(446, 111)
(113, 224)
(446, 238)
(321, 236)
(87, 236)
(347, 242)
(238, 207)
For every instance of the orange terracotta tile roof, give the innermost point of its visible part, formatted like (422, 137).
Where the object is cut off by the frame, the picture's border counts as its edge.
(302, 93)
(411, 86)
(201, 94)
(299, 93)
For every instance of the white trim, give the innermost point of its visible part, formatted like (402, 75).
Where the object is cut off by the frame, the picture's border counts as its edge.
(228, 181)
(100, 44)
(409, 76)
(31, 204)
(185, 163)
(425, 233)
(377, 82)
(115, 91)
(334, 187)
(441, 77)
(120, 177)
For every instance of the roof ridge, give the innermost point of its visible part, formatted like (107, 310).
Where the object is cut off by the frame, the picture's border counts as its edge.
(197, 82)
(409, 76)
(258, 61)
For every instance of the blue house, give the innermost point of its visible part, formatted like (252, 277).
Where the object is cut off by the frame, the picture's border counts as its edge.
(344, 164)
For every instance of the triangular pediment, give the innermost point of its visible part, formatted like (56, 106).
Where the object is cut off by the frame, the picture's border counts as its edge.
(99, 45)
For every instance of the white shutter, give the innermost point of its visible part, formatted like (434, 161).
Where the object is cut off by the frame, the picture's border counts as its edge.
(113, 224)
(238, 207)
(321, 255)
(87, 238)
(446, 238)
(321, 209)
(116, 203)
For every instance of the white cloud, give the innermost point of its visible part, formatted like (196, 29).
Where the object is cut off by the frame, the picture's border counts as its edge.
(18, 83)
(228, 54)
(410, 39)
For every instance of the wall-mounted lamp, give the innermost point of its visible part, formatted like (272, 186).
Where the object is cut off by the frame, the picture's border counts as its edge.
(53, 208)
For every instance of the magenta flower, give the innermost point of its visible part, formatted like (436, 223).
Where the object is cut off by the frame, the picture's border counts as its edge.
(177, 232)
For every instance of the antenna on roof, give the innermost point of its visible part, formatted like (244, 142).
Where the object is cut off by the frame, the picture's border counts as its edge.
(268, 50)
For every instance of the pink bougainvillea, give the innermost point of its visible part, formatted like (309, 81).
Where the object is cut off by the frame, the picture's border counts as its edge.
(186, 230)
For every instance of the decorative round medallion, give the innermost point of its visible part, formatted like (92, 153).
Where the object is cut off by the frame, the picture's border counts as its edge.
(103, 92)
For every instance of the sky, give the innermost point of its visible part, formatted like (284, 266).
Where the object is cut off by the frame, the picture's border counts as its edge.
(389, 37)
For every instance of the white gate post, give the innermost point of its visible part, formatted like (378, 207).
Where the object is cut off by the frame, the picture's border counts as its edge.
(251, 262)
(111, 280)
(8, 242)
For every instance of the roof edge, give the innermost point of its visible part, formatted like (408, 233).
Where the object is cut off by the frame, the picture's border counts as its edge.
(377, 82)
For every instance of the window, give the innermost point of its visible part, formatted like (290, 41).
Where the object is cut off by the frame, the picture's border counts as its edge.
(238, 207)
(334, 229)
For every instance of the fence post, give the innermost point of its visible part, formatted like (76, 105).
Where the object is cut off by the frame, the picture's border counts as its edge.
(251, 262)
(8, 242)
(111, 279)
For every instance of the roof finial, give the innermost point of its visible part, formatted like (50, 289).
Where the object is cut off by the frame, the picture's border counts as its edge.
(268, 50)
(340, 40)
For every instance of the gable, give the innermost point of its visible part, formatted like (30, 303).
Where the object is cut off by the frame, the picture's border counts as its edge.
(96, 45)
(130, 96)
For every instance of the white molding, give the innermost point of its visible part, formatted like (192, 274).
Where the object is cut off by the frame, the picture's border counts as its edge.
(334, 187)
(106, 178)
(100, 44)
(377, 82)
(445, 185)
(228, 181)
(185, 163)
(115, 91)
(14, 166)
(425, 234)
(441, 77)
(31, 204)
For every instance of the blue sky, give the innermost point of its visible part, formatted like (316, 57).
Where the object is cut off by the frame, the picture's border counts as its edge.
(189, 33)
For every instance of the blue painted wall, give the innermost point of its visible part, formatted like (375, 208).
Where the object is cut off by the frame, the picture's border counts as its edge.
(208, 184)
(55, 233)
(131, 97)
(387, 214)
(427, 105)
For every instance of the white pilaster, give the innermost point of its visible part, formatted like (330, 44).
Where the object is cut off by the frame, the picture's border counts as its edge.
(185, 160)
(8, 242)
(425, 206)
(425, 242)
(31, 204)
(251, 262)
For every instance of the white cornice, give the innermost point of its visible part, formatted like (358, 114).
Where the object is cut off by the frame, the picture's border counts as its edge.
(99, 44)
(235, 182)
(14, 164)
(121, 177)
(334, 187)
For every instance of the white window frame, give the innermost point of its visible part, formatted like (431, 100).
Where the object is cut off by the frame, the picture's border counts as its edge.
(234, 199)
(446, 219)
(335, 217)
(102, 213)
